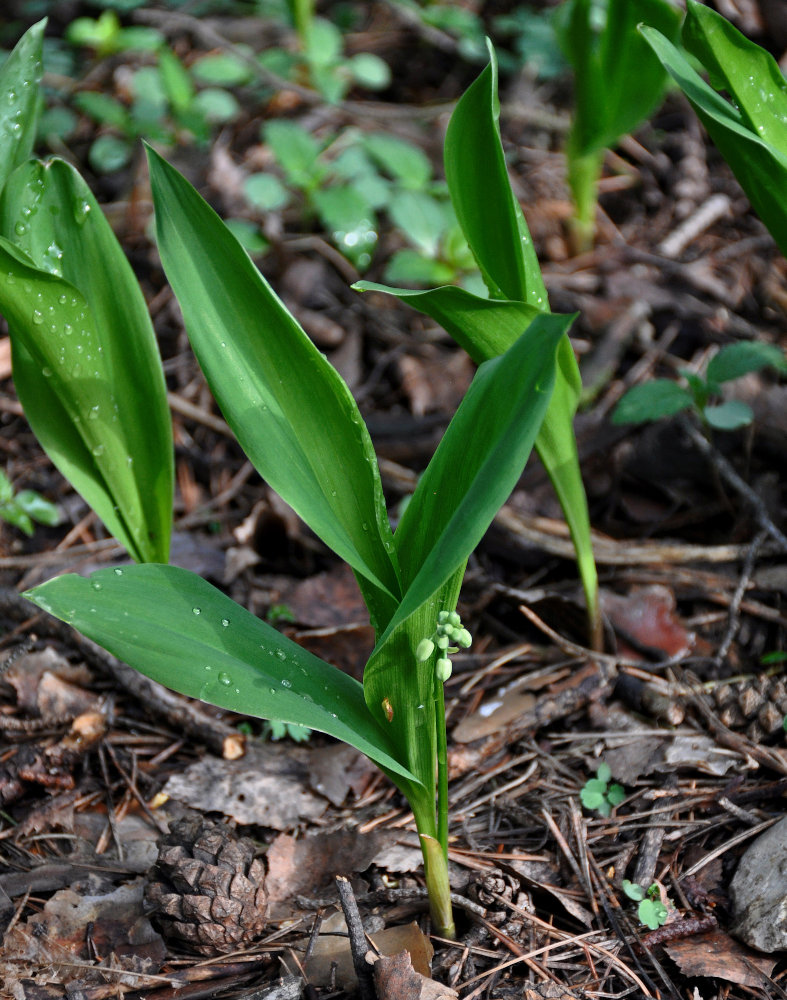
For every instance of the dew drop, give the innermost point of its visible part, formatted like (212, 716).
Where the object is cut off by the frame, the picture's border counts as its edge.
(98, 450)
(285, 683)
(281, 654)
(225, 622)
(118, 571)
(225, 679)
(96, 585)
(208, 666)
(20, 229)
(68, 329)
(93, 414)
(196, 611)
(46, 372)
(38, 317)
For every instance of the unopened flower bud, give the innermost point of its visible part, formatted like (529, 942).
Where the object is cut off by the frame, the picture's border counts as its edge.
(464, 639)
(443, 669)
(442, 617)
(424, 650)
(442, 642)
(454, 619)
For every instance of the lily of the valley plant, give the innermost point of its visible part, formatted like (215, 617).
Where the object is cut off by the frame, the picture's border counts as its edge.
(90, 380)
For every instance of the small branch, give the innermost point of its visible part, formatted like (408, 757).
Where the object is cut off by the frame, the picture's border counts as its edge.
(732, 479)
(358, 945)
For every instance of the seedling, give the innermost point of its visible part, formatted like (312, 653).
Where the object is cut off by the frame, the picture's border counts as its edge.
(651, 911)
(23, 508)
(301, 428)
(618, 83)
(661, 398)
(599, 793)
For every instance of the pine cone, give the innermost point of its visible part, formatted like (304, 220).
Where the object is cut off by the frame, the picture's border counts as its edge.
(207, 887)
(757, 705)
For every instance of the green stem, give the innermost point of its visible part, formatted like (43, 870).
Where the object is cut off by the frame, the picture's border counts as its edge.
(436, 872)
(584, 170)
(442, 768)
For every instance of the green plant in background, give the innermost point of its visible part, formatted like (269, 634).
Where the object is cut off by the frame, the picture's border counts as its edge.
(320, 60)
(748, 129)
(302, 430)
(167, 100)
(23, 508)
(601, 793)
(84, 355)
(348, 180)
(455, 20)
(495, 229)
(661, 397)
(651, 911)
(618, 83)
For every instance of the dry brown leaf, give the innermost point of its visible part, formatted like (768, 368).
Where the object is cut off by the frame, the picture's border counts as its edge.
(718, 956)
(494, 714)
(335, 770)
(396, 979)
(307, 866)
(267, 787)
(648, 618)
(331, 956)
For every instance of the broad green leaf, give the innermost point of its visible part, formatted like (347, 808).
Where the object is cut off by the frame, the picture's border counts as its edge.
(486, 328)
(176, 628)
(472, 473)
(488, 213)
(19, 80)
(86, 363)
(729, 415)
(748, 73)
(652, 401)
(290, 410)
(421, 218)
(760, 166)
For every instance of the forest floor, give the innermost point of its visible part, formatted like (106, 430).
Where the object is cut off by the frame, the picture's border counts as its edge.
(685, 706)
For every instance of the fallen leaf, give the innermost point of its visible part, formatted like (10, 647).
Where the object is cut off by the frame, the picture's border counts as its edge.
(331, 958)
(335, 770)
(267, 787)
(647, 618)
(307, 865)
(718, 956)
(396, 979)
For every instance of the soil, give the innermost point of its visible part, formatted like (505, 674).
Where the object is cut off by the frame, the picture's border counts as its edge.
(685, 704)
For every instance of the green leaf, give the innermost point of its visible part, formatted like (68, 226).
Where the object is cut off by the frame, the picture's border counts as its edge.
(216, 105)
(735, 360)
(485, 206)
(19, 82)
(652, 913)
(592, 794)
(652, 401)
(402, 160)
(296, 152)
(85, 358)
(603, 773)
(37, 507)
(290, 410)
(109, 153)
(421, 218)
(265, 191)
(615, 794)
(350, 219)
(104, 109)
(728, 416)
(408, 267)
(748, 73)
(759, 165)
(369, 71)
(221, 69)
(632, 890)
(174, 627)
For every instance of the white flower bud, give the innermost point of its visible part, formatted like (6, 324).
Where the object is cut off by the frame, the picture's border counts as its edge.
(424, 650)
(443, 669)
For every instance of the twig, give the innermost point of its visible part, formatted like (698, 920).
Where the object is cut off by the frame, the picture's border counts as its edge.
(734, 620)
(357, 935)
(732, 478)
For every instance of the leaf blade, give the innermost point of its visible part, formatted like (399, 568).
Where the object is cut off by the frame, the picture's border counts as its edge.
(316, 452)
(168, 623)
(20, 77)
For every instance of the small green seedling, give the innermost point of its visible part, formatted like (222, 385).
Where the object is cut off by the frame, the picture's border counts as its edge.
(598, 794)
(651, 911)
(661, 398)
(286, 730)
(618, 83)
(23, 508)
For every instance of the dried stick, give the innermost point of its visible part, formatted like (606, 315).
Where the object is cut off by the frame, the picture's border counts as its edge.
(358, 945)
